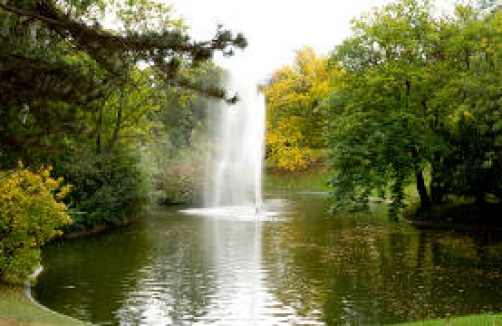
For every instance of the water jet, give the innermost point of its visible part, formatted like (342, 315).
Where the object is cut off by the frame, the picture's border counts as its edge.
(237, 134)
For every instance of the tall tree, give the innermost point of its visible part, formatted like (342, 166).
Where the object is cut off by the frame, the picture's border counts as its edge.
(379, 126)
(294, 119)
(57, 63)
(410, 100)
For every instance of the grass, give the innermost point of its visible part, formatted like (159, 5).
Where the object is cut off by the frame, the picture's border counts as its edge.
(17, 310)
(474, 320)
(313, 179)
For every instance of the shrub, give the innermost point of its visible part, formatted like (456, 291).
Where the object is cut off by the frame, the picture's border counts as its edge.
(181, 183)
(105, 187)
(175, 174)
(30, 215)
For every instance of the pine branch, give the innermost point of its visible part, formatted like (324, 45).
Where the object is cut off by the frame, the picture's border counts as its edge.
(105, 47)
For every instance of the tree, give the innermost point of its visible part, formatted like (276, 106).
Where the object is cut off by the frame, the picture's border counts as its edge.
(378, 111)
(473, 166)
(294, 120)
(410, 101)
(57, 64)
(173, 155)
(85, 98)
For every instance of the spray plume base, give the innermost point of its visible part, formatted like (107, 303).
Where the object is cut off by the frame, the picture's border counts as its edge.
(234, 213)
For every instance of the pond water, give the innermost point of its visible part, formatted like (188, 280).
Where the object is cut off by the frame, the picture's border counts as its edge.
(297, 266)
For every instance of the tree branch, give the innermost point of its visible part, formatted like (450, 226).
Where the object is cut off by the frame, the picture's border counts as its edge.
(32, 14)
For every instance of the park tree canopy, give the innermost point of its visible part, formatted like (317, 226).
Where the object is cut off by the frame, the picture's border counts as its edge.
(418, 100)
(59, 65)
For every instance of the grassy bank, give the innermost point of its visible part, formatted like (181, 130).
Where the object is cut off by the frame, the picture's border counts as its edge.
(16, 309)
(474, 320)
(313, 179)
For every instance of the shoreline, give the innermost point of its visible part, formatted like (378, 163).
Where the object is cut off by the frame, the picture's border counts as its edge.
(17, 309)
(458, 217)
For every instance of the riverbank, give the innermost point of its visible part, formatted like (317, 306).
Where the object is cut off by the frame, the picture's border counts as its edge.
(458, 216)
(16, 310)
(313, 179)
(474, 320)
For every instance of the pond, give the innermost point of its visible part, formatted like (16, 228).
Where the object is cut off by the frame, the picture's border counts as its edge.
(298, 266)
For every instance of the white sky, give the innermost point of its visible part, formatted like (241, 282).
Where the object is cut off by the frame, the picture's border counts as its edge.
(275, 29)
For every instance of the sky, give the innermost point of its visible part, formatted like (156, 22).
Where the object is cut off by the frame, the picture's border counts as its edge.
(275, 29)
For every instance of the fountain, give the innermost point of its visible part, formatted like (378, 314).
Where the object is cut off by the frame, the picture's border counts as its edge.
(234, 174)
(233, 192)
(234, 167)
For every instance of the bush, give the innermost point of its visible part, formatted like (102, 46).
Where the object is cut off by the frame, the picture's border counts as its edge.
(30, 215)
(105, 187)
(181, 183)
(174, 173)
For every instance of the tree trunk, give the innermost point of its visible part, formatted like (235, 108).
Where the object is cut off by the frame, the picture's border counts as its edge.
(425, 202)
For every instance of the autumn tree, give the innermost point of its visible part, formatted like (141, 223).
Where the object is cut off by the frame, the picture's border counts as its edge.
(31, 214)
(294, 119)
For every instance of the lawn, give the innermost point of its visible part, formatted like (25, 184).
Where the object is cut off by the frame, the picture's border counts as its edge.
(313, 179)
(474, 320)
(16, 309)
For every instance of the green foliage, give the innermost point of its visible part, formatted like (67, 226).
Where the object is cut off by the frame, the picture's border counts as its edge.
(73, 93)
(174, 170)
(64, 77)
(34, 29)
(106, 188)
(376, 115)
(30, 215)
(417, 92)
(184, 112)
(174, 154)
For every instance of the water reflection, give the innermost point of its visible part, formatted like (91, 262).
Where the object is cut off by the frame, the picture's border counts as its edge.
(302, 268)
(174, 285)
(363, 271)
(98, 271)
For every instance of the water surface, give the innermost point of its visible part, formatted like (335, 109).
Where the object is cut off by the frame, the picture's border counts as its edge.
(297, 266)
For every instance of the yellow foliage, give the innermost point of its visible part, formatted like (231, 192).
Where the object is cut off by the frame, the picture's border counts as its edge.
(294, 120)
(285, 146)
(30, 215)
